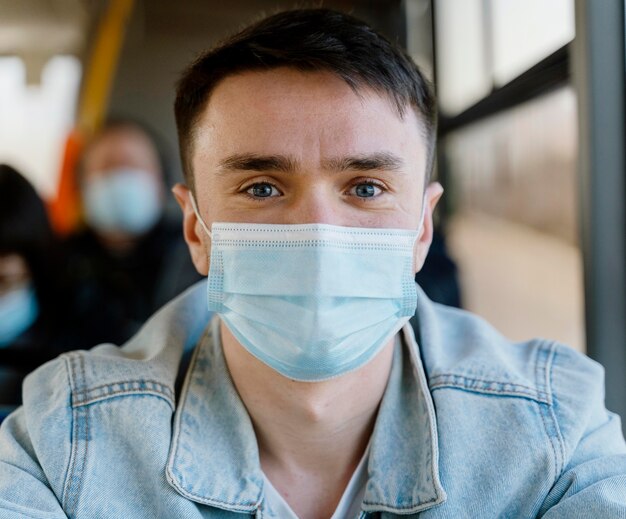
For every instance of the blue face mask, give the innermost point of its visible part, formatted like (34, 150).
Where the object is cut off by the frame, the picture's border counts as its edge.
(124, 200)
(311, 301)
(18, 311)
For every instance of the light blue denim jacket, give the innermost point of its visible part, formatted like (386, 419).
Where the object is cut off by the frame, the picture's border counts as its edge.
(470, 425)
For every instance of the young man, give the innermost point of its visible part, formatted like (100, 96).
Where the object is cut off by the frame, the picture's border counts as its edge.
(307, 143)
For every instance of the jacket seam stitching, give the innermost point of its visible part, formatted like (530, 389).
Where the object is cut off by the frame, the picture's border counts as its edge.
(525, 394)
(117, 394)
(103, 392)
(478, 379)
(551, 440)
(165, 389)
(70, 462)
(559, 436)
(81, 362)
(369, 508)
(517, 389)
(543, 371)
(79, 417)
(68, 497)
(415, 507)
(539, 371)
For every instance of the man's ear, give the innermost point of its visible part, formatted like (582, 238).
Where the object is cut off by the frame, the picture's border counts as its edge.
(192, 230)
(432, 194)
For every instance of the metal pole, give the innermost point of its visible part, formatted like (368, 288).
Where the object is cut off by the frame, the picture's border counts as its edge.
(599, 68)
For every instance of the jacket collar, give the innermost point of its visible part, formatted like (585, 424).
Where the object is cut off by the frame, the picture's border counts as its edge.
(404, 457)
(214, 456)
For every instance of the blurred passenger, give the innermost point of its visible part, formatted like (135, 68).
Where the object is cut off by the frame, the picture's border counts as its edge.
(129, 259)
(30, 285)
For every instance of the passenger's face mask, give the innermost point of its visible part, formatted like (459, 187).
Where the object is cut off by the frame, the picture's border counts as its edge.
(311, 301)
(123, 200)
(18, 311)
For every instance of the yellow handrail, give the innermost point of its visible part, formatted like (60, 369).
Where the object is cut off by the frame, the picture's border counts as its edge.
(65, 208)
(100, 72)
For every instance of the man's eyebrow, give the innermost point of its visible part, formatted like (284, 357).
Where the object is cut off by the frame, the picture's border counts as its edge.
(253, 162)
(369, 162)
(366, 162)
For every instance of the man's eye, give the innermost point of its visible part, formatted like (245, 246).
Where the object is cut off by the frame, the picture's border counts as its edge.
(365, 190)
(262, 190)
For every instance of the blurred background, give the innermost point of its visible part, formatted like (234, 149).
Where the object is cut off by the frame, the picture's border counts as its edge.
(531, 135)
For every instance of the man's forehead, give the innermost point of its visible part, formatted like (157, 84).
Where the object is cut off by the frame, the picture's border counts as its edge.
(265, 90)
(277, 106)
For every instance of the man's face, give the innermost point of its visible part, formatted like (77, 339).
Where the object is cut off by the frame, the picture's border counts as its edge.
(288, 147)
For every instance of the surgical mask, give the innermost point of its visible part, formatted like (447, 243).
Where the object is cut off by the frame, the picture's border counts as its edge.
(18, 311)
(122, 200)
(311, 301)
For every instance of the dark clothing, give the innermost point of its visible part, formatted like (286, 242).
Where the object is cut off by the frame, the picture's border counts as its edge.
(439, 275)
(44, 340)
(26, 353)
(115, 294)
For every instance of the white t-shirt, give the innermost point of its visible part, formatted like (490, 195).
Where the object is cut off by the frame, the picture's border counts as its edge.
(349, 505)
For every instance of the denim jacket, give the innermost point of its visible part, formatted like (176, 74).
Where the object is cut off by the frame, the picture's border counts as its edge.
(470, 425)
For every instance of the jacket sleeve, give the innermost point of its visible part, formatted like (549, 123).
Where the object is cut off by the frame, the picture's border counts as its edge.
(589, 444)
(35, 442)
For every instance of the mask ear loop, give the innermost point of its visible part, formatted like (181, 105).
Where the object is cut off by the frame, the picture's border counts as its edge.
(419, 228)
(195, 210)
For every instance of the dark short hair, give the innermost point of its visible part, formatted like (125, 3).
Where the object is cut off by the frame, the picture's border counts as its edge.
(307, 40)
(24, 224)
(122, 123)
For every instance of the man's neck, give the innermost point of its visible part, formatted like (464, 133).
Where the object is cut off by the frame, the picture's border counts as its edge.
(311, 435)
